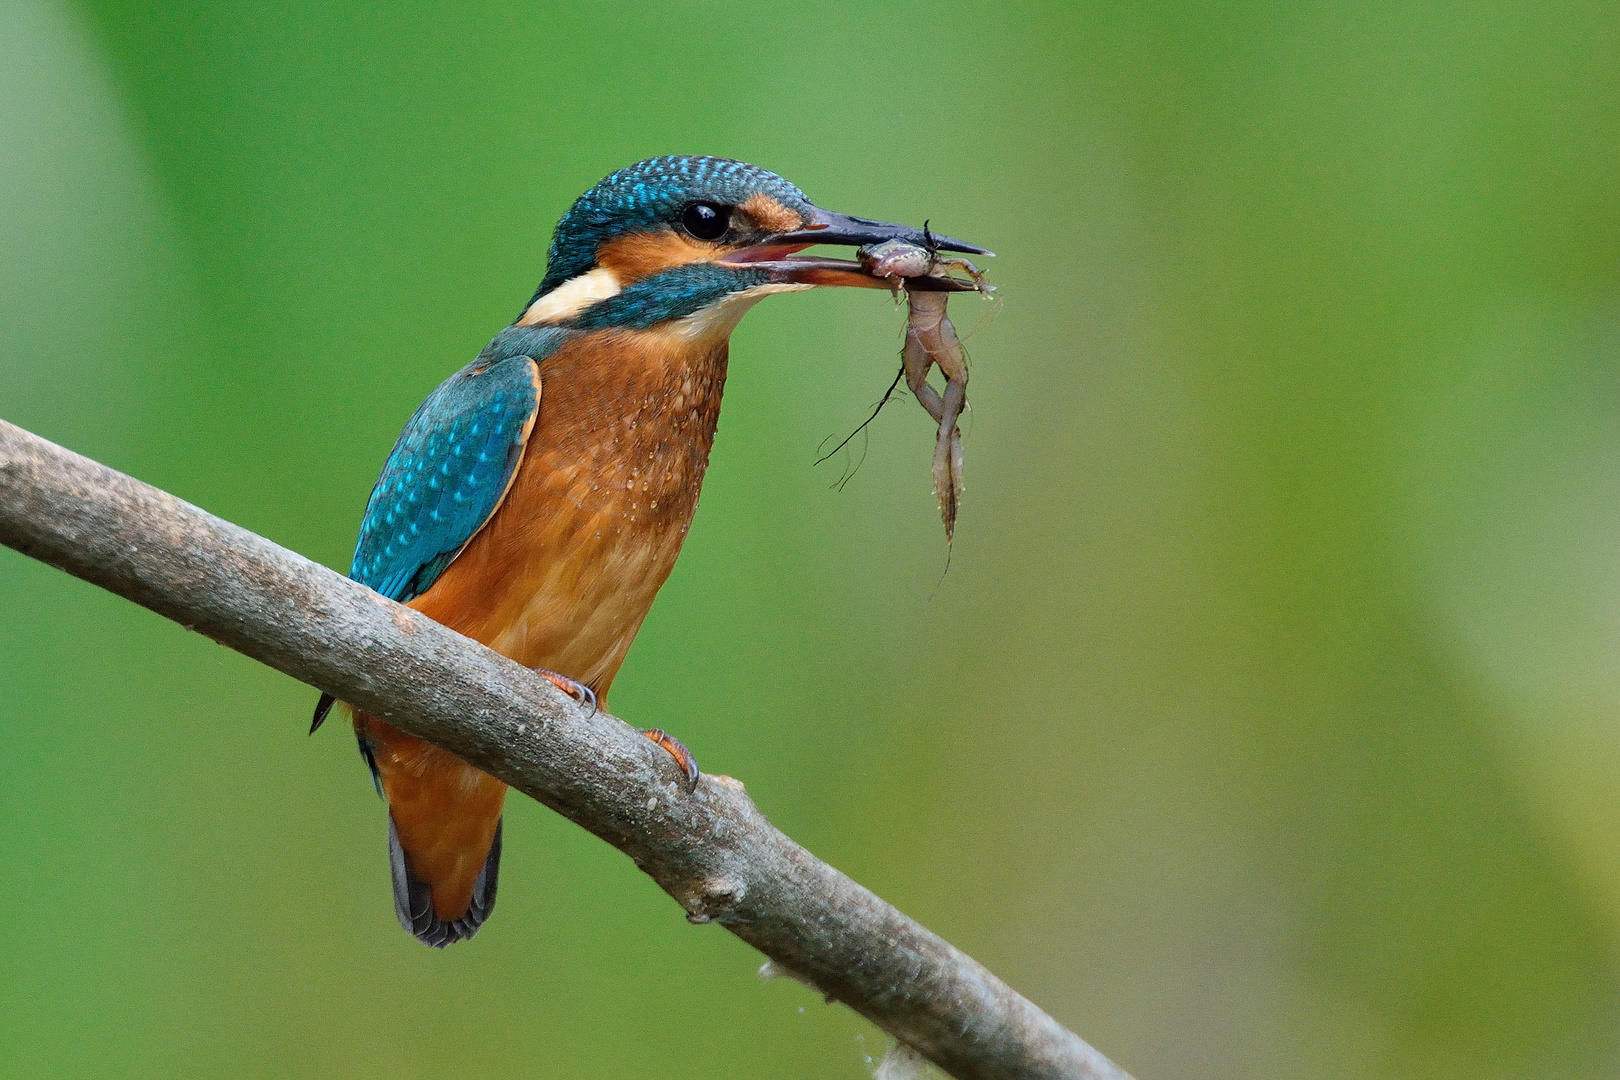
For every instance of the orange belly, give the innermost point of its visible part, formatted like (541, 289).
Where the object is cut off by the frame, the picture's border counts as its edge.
(563, 574)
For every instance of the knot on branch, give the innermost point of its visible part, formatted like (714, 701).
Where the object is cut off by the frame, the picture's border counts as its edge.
(715, 900)
(772, 969)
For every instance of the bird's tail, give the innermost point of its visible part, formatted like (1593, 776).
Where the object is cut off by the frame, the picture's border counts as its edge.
(413, 897)
(444, 832)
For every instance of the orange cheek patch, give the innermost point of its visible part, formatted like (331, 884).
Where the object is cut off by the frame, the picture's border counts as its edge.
(631, 258)
(770, 214)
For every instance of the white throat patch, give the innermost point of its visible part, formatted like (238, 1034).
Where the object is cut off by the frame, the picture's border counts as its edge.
(572, 297)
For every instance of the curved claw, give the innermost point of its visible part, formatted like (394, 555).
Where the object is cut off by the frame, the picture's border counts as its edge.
(576, 690)
(677, 750)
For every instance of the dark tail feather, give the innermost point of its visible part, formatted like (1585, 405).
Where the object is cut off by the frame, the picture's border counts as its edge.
(322, 707)
(413, 899)
(368, 753)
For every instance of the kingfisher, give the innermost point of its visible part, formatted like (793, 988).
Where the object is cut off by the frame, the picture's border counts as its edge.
(537, 499)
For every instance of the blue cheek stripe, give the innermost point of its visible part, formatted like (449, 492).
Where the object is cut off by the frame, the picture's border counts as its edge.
(673, 294)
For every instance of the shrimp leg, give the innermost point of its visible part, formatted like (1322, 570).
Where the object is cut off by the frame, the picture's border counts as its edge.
(948, 458)
(917, 364)
(930, 340)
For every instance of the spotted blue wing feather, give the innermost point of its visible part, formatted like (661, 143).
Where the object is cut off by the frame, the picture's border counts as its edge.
(446, 476)
(449, 471)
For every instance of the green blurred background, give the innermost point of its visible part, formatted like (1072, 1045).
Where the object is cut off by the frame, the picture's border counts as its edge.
(1267, 722)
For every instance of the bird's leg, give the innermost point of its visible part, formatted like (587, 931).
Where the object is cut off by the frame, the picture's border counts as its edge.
(677, 750)
(576, 690)
(586, 696)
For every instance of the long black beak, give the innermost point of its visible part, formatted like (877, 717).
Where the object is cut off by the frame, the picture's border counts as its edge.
(826, 227)
(776, 253)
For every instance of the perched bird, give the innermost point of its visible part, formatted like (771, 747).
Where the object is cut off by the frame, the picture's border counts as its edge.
(537, 499)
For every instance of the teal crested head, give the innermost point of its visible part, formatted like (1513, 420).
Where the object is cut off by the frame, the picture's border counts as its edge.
(676, 237)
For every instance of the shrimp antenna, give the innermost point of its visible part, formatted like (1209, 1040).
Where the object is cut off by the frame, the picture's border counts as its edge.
(888, 395)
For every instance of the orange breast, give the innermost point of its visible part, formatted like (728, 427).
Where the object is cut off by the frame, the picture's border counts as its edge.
(564, 573)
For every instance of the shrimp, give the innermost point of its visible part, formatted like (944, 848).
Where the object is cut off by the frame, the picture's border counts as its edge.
(931, 340)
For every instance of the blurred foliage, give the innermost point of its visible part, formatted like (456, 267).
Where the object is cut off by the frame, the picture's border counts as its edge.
(1266, 723)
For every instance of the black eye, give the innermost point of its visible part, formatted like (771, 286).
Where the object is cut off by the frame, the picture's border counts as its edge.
(706, 221)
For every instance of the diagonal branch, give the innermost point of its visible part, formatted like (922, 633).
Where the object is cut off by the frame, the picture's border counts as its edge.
(712, 850)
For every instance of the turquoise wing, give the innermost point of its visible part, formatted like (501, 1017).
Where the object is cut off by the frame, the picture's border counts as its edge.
(450, 469)
(446, 476)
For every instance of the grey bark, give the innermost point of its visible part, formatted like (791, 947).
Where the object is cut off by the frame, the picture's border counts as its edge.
(712, 850)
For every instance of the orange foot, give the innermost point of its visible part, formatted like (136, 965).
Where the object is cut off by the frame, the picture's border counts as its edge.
(683, 756)
(576, 690)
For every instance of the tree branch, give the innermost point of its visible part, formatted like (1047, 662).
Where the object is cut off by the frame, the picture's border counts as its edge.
(712, 850)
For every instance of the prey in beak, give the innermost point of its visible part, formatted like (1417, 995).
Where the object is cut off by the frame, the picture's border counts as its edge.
(777, 254)
(909, 262)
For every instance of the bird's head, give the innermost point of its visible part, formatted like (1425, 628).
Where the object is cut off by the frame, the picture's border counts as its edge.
(698, 239)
